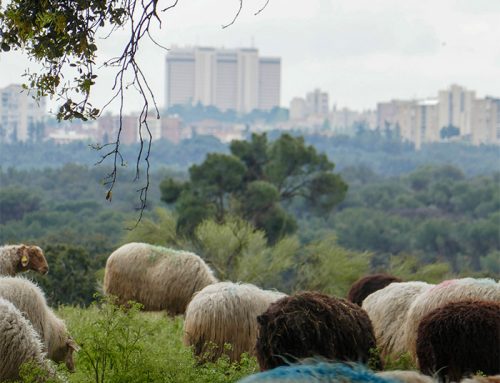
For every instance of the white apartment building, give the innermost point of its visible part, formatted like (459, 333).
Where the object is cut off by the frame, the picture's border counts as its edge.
(298, 109)
(486, 121)
(229, 79)
(20, 114)
(455, 108)
(318, 103)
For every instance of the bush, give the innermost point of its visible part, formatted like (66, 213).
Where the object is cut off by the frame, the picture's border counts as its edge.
(126, 345)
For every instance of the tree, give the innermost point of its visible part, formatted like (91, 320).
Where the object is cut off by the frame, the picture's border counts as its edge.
(449, 131)
(63, 37)
(256, 182)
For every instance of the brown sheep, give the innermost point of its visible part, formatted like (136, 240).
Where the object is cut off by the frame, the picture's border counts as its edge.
(18, 258)
(368, 284)
(311, 324)
(157, 277)
(460, 339)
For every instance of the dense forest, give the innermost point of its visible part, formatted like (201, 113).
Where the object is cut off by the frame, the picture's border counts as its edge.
(426, 218)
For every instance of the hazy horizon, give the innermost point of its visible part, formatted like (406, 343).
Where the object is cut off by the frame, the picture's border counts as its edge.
(361, 53)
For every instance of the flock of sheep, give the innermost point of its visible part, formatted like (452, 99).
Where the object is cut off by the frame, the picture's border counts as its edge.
(450, 330)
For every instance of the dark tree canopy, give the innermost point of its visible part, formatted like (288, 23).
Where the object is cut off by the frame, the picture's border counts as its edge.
(256, 181)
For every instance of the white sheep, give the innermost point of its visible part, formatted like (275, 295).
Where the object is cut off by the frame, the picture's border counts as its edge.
(30, 300)
(226, 313)
(387, 309)
(157, 277)
(18, 258)
(446, 292)
(19, 342)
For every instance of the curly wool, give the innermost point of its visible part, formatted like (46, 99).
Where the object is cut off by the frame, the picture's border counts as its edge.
(311, 324)
(225, 313)
(19, 342)
(369, 284)
(157, 277)
(446, 292)
(387, 309)
(10, 259)
(317, 373)
(460, 338)
(30, 300)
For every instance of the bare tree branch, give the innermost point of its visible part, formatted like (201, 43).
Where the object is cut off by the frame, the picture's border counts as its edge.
(235, 16)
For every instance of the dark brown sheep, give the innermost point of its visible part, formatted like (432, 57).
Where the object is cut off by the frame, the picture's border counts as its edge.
(311, 324)
(460, 339)
(368, 284)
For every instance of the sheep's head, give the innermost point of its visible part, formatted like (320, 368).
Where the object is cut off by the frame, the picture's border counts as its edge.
(65, 354)
(32, 258)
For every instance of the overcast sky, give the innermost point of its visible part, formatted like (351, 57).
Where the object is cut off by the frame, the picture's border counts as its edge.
(360, 51)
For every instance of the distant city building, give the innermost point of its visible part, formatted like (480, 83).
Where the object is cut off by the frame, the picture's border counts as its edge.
(229, 79)
(298, 109)
(455, 109)
(318, 103)
(21, 117)
(486, 121)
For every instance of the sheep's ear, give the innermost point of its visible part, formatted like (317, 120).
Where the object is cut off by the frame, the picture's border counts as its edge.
(73, 345)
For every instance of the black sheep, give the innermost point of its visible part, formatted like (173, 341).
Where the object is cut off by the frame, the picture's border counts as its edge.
(368, 284)
(460, 339)
(311, 324)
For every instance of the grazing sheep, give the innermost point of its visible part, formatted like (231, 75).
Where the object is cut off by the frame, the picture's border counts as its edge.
(311, 324)
(19, 342)
(317, 373)
(369, 284)
(459, 339)
(446, 292)
(387, 309)
(29, 299)
(157, 277)
(406, 376)
(225, 313)
(17, 258)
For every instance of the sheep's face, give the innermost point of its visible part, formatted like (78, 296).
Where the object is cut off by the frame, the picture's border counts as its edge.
(65, 354)
(32, 258)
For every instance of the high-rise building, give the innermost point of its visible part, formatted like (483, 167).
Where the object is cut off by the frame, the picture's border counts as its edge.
(455, 108)
(318, 103)
(486, 121)
(229, 79)
(21, 117)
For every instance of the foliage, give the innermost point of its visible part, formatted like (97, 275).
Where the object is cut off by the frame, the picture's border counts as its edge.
(126, 345)
(266, 174)
(239, 252)
(72, 278)
(16, 202)
(408, 268)
(327, 267)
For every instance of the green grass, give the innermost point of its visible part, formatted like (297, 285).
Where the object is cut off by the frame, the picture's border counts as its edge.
(134, 346)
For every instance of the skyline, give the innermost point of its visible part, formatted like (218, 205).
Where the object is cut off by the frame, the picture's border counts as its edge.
(360, 53)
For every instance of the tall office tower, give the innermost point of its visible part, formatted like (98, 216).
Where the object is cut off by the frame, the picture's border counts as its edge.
(269, 82)
(180, 77)
(455, 108)
(226, 92)
(318, 103)
(229, 79)
(21, 117)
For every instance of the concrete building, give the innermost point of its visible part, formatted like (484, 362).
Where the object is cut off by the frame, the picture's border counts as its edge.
(269, 82)
(318, 103)
(428, 129)
(21, 117)
(229, 79)
(486, 121)
(455, 108)
(298, 109)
